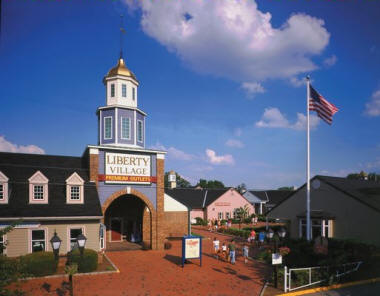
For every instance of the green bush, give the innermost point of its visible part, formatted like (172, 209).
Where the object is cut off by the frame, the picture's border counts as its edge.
(200, 221)
(234, 231)
(39, 263)
(86, 263)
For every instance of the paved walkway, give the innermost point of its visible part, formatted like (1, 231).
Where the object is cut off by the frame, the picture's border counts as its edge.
(160, 273)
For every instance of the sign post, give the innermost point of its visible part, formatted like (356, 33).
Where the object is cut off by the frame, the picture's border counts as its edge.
(191, 248)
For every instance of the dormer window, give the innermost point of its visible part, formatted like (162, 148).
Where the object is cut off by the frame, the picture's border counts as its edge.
(112, 90)
(74, 189)
(38, 188)
(3, 188)
(124, 90)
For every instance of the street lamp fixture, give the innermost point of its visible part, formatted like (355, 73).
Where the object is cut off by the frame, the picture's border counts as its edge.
(81, 239)
(270, 234)
(282, 232)
(55, 244)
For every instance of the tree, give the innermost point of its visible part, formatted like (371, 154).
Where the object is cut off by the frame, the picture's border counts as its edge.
(10, 269)
(242, 213)
(210, 184)
(364, 176)
(181, 182)
(241, 188)
(289, 188)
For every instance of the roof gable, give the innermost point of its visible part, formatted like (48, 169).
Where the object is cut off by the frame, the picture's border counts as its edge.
(3, 178)
(38, 177)
(75, 179)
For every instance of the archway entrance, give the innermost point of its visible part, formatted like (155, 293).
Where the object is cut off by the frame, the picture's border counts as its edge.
(128, 223)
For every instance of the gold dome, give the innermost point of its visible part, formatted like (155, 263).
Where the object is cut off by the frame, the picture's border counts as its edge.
(120, 69)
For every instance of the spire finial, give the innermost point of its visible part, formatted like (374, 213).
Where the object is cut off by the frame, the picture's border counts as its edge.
(122, 31)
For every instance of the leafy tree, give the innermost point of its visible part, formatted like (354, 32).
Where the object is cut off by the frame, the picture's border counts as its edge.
(242, 213)
(289, 188)
(181, 182)
(241, 188)
(364, 176)
(10, 269)
(210, 184)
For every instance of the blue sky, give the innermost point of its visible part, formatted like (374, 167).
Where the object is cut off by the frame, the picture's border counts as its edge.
(221, 82)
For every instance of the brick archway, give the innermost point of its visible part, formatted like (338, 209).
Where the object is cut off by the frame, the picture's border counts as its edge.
(149, 217)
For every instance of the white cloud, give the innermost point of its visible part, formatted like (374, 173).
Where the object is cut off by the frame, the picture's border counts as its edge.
(273, 118)
(234, 143)
(331, 61)
(7, 146)
(372, 108)
(253, 88)
(222, 159)
(173, 152)
(297, 82)
(233, 38)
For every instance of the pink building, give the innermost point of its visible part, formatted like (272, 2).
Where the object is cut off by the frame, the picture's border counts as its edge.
(211, 203)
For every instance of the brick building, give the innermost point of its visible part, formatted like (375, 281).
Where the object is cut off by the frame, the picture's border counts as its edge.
(119, 182)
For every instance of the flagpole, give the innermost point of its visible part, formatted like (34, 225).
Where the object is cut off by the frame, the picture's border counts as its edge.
(308, 228)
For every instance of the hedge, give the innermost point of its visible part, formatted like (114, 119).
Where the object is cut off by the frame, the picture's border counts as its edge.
(39, 264)
(87, 263)
(234, 231)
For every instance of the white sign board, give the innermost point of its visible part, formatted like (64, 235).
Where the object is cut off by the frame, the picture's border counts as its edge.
(127, 168)
(276, 258)
(192, 248)
(172, 178)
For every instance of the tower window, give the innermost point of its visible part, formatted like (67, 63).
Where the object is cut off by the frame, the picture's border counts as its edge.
(133, 93)
(107, 128)
(139, 131)
(125, 128)
(124, 90)
(112, 90)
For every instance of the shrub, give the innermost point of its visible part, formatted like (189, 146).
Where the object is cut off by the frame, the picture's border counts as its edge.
(86, 263)
(39, 263)
(234, 231)
(200, 221)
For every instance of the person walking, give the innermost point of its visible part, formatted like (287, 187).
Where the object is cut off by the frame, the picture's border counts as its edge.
(245, 253)
(215, 244)
(261, 238)
(231, 250)
(224, 251)
(252, 237)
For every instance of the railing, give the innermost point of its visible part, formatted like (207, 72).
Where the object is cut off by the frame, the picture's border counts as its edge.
(340, 271)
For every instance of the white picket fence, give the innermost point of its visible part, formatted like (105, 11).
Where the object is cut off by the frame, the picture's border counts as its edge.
(341, 270)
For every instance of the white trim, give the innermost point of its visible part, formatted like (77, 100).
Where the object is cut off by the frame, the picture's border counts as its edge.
(142, 128)
(116, 126)
(46, 231)
(144, 132)
(4, 244)
(121, 228)
(4, 181)
(38, 179)
(101, 128)
(134, 123)
(161, 155)
(109, 107)
(129, 127)
(68, 228)
(94, 151)
(51, 218)
(137, 149)
(127, 78)
(104, 128)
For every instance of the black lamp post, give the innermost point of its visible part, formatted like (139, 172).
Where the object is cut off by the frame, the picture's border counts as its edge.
(81, 239)
(55, 244)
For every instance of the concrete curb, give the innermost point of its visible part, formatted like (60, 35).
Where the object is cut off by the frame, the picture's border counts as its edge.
(77, 274)
(332, 287)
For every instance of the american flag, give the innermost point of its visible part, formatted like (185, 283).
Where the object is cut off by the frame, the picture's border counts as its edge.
(319, 104)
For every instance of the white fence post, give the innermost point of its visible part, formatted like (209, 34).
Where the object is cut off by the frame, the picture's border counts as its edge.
(285, 278)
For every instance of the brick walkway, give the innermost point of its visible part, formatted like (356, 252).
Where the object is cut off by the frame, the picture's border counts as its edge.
(160, 273)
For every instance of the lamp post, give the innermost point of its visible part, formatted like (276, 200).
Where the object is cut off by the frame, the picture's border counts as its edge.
(55, 244)
(81, 239)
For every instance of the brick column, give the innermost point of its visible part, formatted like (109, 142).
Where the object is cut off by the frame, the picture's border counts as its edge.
(93, 164)
(160, 227)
